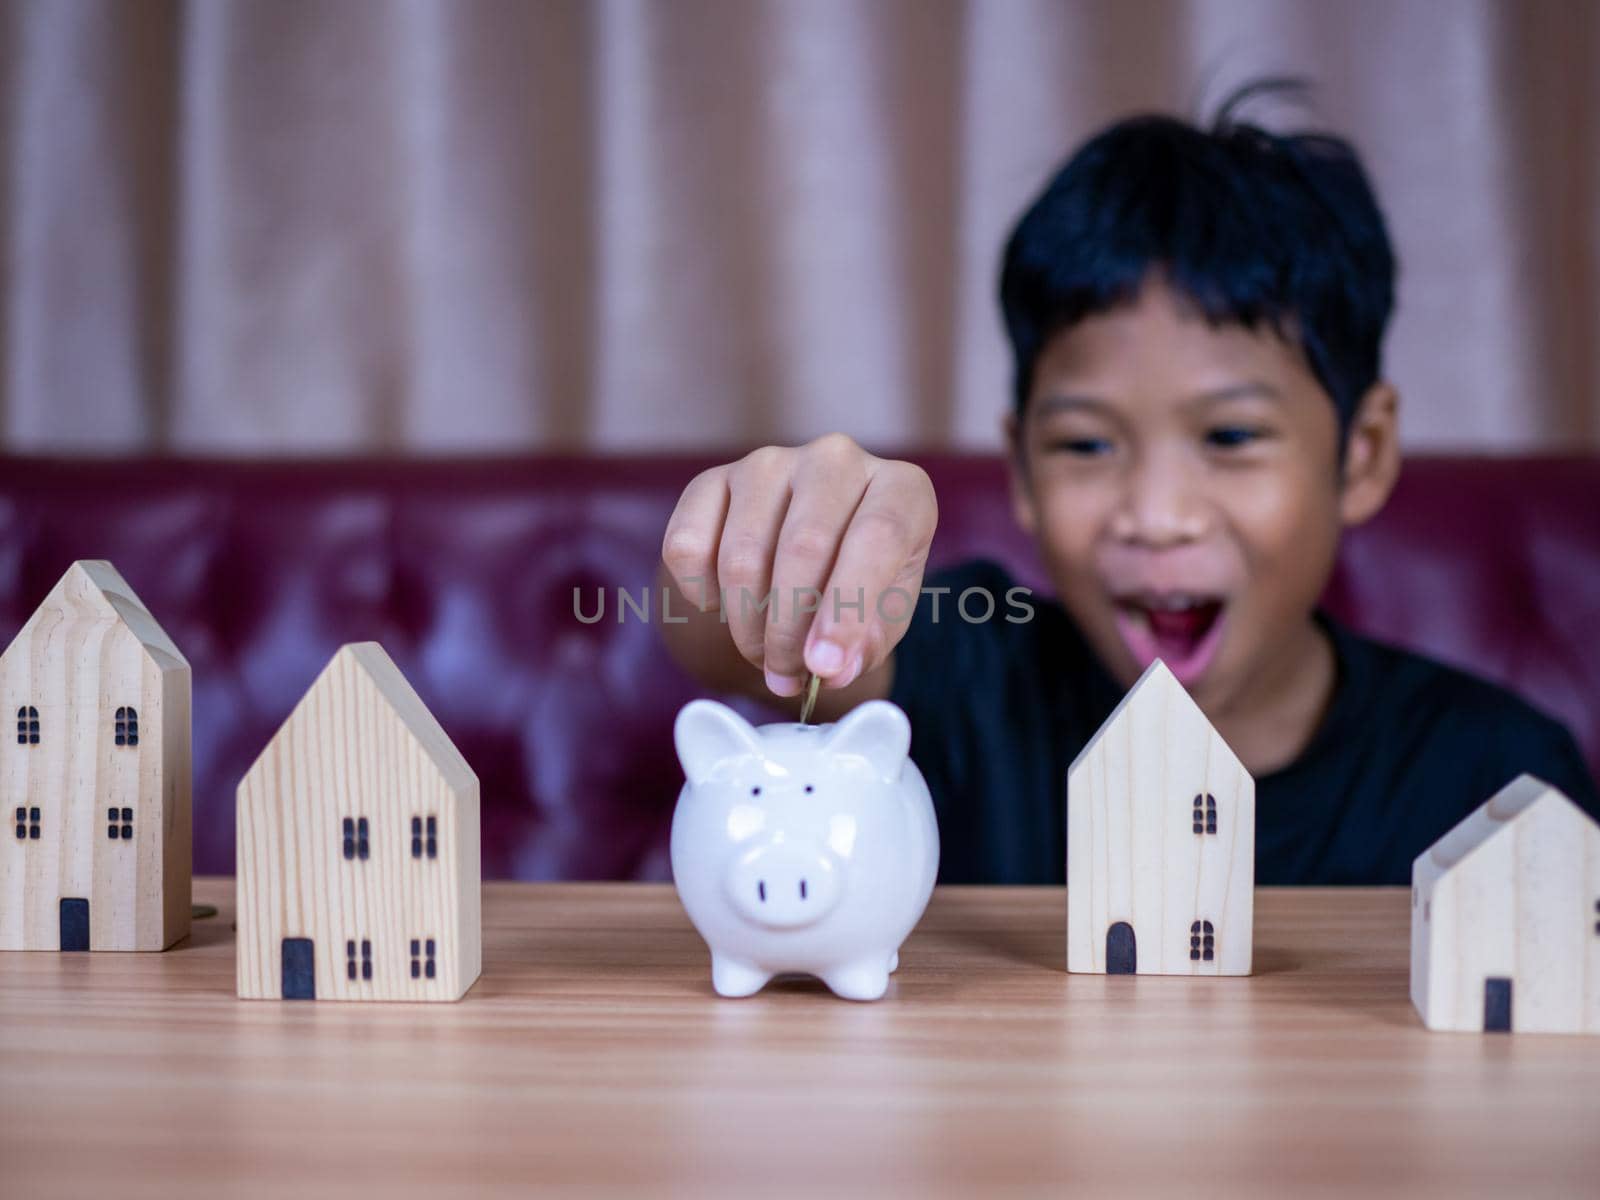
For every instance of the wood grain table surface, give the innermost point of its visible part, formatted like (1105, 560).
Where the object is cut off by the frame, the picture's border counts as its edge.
(593, 1058)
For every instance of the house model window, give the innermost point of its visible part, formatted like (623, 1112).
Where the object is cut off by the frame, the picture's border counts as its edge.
(421, 966)
(1205, 813)
(119, 824)
(27, 725)
(1202, 942)
(127, 729)
(355, 838)
(417, 837)
(350, 959)
(27, 824)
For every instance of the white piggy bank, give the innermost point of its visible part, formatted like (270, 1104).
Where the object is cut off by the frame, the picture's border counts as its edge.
(808, 849)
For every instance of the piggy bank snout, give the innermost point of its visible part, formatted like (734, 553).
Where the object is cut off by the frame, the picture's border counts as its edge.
(783, 885)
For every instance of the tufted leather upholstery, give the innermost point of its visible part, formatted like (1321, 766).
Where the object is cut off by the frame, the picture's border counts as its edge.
(465, 571)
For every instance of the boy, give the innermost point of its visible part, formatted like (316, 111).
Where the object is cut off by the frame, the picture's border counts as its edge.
(1196, 318)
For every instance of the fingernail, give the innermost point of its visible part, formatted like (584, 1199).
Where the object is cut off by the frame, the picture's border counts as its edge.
(782, 685)
(825, 657)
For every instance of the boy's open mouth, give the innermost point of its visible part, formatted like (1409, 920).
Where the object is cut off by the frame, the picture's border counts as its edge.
(1181, 629)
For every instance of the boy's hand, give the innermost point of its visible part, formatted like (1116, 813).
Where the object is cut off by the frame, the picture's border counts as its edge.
(820, 527)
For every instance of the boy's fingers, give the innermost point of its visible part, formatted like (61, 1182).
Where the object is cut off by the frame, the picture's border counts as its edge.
(830, 477)
(758, 497)
(880, 563)
(694, 531)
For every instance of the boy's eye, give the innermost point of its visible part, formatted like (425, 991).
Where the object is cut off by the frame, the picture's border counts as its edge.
(1229, 437)
(1085, 446)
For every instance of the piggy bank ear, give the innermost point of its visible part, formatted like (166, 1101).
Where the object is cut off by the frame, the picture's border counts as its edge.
(707, 733)
(876, 731)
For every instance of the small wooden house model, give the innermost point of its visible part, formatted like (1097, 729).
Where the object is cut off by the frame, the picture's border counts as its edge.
(358, 864)
(94, 773)
(1505, 918)
(1161, 820)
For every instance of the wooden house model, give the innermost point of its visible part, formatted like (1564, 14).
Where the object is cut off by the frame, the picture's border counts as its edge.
(94, 773)
(1505, 918)
(1160, 842)
(358, 864)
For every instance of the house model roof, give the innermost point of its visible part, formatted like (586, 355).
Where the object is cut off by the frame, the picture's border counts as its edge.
(1525, 798)
(1156, 691)
(96, 584)
(369, 665)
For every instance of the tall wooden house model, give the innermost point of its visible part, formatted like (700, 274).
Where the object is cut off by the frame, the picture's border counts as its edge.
(358, 862)
(94, 773)
(1505, 918)
(1161, 820)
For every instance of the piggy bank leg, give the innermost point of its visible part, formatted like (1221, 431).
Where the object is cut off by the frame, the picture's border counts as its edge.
(734, 979)
(864, 979)
(894, 962)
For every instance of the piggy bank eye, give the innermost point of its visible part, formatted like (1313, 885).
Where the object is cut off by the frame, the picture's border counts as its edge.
(809, 788)
(755, 791)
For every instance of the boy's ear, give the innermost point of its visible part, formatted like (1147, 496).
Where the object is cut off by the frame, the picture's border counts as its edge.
(1371, 455)
(1022, 506)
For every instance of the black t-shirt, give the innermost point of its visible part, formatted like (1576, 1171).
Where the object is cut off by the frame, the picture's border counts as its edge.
(999, 709)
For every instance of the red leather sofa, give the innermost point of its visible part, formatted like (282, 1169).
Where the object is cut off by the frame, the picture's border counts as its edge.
(466, 570)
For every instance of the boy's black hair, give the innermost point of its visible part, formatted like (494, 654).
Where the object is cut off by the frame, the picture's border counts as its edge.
(1254, 227)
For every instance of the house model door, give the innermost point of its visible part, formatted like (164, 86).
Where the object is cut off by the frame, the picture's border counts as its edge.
(299, 969)
(1497, 1005)
(74, 923)
(1122, 950)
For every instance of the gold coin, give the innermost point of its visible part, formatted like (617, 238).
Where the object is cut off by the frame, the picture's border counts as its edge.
(810, 701)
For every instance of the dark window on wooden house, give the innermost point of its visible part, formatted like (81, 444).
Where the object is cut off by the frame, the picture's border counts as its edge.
(27, 725)
(119, 824)
(419, 842)
(422, 960)
(27, 824)
(1202, 942)
(1205, 813)
(355, 838)
(351, 965)
(1597, 918)
(127, 726)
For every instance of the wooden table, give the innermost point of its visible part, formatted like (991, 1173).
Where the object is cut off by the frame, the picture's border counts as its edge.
(592, 1057)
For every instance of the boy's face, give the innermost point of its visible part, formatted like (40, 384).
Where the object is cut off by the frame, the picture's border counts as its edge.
(1186, 489)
